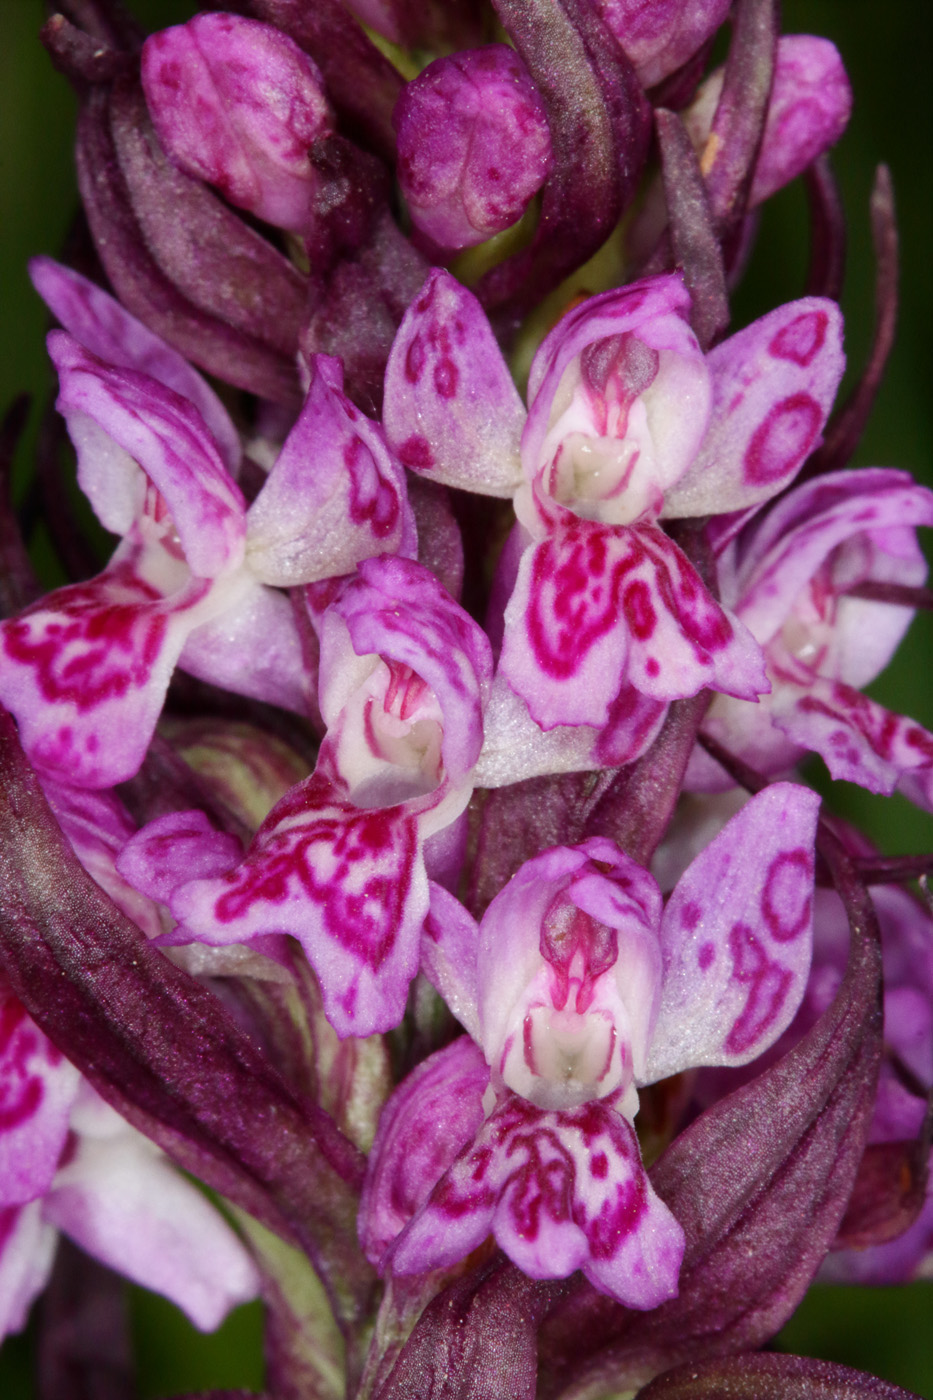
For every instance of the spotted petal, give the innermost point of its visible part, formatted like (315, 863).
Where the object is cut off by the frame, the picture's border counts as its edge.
(560, 1191)
(37, 1090)
(773, 386)
(451, 409)
(858, 739)
(736, 937)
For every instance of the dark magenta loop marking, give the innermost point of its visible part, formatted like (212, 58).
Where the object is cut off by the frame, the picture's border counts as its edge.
(785, 900)
(802, 339)
(768, 985)
(781, 442)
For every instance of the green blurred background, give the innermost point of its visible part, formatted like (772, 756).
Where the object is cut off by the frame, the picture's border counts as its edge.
(887, 49)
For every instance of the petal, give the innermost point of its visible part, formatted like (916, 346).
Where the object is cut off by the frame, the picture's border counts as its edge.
(809, 523)
(37, 1090)
(737, 935)
(85, 670)
(449, 946)
(102, 326)
(120, 421)
(432, 1116)
(773, 386)
(595, 609)
(174, 849)
(348, 884)
(335, 496)
(252, 647)
(560, 1191)
(98, 826)
(398, 610)
(858, 739)
(516, 748)
(654, 311)
(123, 1203)
(451, 409)
(27, 1248)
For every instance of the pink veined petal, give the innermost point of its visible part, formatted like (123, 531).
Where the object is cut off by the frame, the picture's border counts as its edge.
(737, 936)
(449, 945)
(349, 884)
(102, 326)
(124, 1204)
(451, 410)
(126, 427)
(37, 1090)
(174, 849)
(335, 496)
(85, 670)
(858, 739)
(434, 1113)
(773, 386)
(560, 1191)
(656, 304)
(597, 608)
(804, 528)
(27, 1249)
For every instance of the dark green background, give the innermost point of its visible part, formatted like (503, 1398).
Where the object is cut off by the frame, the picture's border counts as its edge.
(887, 50)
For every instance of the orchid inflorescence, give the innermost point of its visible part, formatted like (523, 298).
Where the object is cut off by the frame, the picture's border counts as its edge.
(401, 831)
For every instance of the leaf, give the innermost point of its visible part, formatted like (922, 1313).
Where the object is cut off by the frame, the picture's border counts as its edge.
(770, 1377)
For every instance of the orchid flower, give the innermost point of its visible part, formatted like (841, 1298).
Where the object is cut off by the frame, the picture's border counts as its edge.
(607, 621)
(339, 863)
(794, 580)
(194, 577)
(578, 989)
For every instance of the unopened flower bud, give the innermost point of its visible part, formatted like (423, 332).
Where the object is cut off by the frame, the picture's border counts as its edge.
(474, 145)
(660, 36)
(238, 104)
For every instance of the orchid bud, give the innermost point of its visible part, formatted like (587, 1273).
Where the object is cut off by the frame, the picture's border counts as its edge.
(238, 104)
(660, 36)
(807, 112)
(473, 145)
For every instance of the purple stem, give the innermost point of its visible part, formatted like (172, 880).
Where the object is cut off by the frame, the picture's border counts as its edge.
(692, 233)
(847, 426)
(826, 273)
